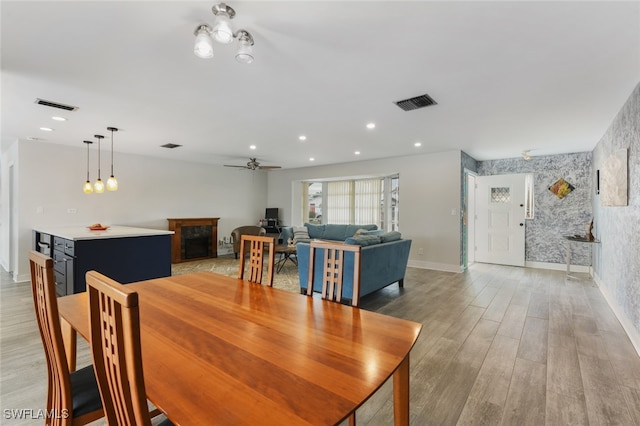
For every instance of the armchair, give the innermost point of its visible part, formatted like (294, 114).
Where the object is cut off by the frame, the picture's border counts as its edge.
(237, 234)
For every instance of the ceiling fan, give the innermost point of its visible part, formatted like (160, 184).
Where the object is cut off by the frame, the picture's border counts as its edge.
(253, 164)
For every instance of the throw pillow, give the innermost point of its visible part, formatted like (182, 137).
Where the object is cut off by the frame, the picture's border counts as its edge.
(363, 231)
(363, 240)
(390, 236)
(300, 233)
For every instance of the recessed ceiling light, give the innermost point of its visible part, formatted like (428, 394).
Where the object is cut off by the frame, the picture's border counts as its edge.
(371, 125)
(46, 129)
(417, 144)
(252, 147)
(357, 153)
(302, 137)
(312, 159)
(58, 118)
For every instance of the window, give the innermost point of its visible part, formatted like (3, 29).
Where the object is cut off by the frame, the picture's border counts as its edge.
(528, 197)
(358, 202)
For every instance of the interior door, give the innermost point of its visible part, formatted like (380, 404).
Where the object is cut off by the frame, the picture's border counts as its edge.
(500, 222)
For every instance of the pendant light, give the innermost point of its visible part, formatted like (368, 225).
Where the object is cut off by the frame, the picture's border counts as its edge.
(98, 186)
(87, 187)
(112, 183)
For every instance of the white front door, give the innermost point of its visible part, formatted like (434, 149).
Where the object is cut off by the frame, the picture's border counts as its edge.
(500, 219)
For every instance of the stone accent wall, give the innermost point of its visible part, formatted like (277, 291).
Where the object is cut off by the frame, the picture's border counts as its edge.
(554, 217)
(617, 258)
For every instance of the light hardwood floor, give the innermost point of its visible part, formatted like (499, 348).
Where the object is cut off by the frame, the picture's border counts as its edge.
(500, 345)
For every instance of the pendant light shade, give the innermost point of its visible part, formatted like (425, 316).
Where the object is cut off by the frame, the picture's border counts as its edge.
(87, 187)
(98, 186)
(112, 183)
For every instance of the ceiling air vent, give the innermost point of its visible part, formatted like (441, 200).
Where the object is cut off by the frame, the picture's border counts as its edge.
(55, 105)
(170, 145)
(416, 103)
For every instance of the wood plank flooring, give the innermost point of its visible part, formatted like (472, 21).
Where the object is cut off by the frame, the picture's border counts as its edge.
(500, 346)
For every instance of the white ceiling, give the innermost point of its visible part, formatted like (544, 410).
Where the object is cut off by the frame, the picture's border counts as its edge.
(508, 76)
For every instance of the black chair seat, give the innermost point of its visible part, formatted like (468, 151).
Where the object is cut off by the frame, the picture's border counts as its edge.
(84, 391)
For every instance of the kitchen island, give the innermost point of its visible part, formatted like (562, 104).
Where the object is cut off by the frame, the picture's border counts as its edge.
(126, 254)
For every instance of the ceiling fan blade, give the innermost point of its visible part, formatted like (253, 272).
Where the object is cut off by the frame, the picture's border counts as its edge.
(231, 165)
(269, 167)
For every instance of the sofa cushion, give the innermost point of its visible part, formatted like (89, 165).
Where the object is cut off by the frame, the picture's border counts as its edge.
(300, 233)
(390, 236)
(363, 240)
(335, 232)
(315, 231)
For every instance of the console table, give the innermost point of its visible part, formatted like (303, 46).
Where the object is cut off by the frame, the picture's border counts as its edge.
(575, 239)
(193, 238)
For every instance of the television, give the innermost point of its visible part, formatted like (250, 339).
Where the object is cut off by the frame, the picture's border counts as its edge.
(271, 213)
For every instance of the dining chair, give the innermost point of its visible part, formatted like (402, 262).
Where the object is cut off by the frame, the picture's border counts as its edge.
(117, 354)
(333, 270)
(257, 245)
(73, 398)
(333, 276)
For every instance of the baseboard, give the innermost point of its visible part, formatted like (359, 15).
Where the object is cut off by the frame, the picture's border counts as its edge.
(631, 331)
(445, 267)
(557, 266)
(21, 278)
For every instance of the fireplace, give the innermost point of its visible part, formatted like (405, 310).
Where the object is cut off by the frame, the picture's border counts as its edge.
(193, 239)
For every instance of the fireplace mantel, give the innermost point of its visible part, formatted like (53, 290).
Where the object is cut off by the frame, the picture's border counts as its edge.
(178, 225)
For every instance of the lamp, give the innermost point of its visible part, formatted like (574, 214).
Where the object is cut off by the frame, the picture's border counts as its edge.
(204, 44)
(87, 187)
(245, 51)
(112, 183)
(98, 186)
(222, 33)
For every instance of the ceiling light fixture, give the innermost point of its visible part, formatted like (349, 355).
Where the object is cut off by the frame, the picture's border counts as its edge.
(357, 153)
(98, 186)
(302, 137)
(46, 129)
(371, 125)
(525, 155)
(56, 118)
(223, 33)
(87, 187)
(112, 183)
(417, 144)
(252, 147)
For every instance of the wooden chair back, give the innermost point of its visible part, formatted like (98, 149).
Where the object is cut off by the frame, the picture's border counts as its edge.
(257, 245)
(333, 270)
(59, 392)
(117, 355)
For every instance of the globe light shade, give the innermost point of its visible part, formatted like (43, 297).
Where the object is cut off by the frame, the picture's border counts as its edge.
(98, 186)
(87, 187)
(203, 47)
(112, 184)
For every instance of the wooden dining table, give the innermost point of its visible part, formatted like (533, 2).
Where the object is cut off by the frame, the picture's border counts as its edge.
(219, 350)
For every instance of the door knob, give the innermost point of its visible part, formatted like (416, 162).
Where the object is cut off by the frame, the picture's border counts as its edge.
(522, 224)
(521, 205)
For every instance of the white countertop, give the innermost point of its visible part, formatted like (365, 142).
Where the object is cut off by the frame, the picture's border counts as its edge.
(84, 233)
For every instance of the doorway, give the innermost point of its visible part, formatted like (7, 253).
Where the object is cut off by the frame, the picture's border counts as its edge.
(500, 223)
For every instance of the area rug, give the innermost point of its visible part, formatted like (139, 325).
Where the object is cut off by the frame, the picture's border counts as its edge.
(286, 279)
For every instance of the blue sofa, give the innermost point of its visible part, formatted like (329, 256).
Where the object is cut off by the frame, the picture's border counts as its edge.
(384, 257)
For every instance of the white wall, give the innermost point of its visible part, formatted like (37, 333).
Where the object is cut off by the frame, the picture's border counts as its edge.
(50, 178)
(429, 190)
